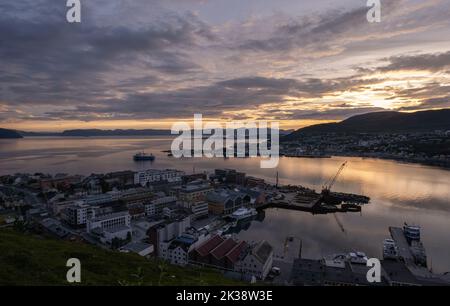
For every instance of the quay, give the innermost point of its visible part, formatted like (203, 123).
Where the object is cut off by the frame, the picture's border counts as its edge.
(302, 199)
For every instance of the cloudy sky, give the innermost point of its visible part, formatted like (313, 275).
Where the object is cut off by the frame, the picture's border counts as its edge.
(148, 63)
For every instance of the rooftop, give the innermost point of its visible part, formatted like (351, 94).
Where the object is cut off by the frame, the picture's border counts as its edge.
(111, 216)
(209, 245)
(136, 247)
(222, 249)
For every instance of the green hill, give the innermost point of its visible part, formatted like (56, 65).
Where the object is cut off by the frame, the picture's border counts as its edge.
(32, 260)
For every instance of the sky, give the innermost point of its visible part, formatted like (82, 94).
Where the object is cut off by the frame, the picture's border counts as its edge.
(149, 63)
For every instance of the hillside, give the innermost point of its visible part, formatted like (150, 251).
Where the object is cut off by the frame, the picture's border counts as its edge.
(4, 133)
(33, 260)
(380, 122)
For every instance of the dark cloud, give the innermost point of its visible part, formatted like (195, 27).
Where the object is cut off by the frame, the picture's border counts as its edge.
(321, 33)
(131, 59)
(213, 100)
(429, 62)
(329, 114)
(46, 60)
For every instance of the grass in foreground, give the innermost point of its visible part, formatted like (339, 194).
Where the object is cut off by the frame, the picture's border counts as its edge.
(33, 260)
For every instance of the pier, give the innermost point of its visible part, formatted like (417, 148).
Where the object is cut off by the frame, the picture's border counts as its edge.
(303, 199)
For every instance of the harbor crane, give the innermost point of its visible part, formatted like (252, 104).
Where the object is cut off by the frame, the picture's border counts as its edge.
(326, 188)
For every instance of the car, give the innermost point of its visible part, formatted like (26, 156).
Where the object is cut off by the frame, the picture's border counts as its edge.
(276, 271)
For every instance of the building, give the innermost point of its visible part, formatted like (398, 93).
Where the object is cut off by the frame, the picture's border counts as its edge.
(251, 182)
(199, 209)
(229, 176)
(140, 248)
(102, 198)
(136, 210)
(256, 261)
(147, 177)
(54, 227)
(257, 196)
(57, 206)
(110, 227)
(109, 221)
(177, 250)
(77, 214)
(217, 252)
(235, 256)
(136, 196)
(108, 235)
(120, 178)
(59, 182)
(186, 179)
(155, 207)
(225, 201)
(192, 192)
(160, 234)
(93, 184)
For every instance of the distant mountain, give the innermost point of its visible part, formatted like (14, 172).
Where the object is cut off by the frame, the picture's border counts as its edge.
(97, 132)
(38, 134)
(4, 133)
(381, 122)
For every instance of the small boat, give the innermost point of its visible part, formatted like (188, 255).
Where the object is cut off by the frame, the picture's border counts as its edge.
(141, 156)
(244, 213)
(357, 258)
(390, 250)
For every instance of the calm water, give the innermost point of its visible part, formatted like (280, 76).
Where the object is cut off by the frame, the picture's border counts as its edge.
(399, 192)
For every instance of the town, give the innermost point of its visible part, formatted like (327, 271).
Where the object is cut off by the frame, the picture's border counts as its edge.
(188, 220)
(429, 148)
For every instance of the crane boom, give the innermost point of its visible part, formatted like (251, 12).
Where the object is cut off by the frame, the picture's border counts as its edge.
(331, 182)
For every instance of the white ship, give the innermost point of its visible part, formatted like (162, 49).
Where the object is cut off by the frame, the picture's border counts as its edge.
(390, 250)
(244, 213)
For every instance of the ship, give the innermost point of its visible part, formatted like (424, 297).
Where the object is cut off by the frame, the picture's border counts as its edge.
(244, 213)
(412, 235)
(142, 156)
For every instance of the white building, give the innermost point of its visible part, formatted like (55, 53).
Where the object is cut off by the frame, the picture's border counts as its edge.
(78, 214)
(108, 235)
(162, 233)
(257, 261)
(153, 175)
(110, 221)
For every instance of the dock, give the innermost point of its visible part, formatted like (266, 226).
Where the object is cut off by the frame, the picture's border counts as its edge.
(304, 199)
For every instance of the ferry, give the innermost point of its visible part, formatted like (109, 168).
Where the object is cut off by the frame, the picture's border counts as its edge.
(244, 213)
(141, 156)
